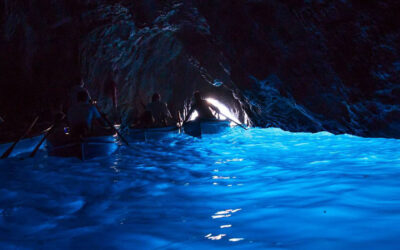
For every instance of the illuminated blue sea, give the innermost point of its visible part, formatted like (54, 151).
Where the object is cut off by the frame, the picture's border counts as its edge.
(254, 189)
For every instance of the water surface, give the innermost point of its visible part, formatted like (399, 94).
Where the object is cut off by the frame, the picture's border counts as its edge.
(261, 188)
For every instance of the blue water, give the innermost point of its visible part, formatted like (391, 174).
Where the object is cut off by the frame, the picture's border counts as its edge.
(255, 189)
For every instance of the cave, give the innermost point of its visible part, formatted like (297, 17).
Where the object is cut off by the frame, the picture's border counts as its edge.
(305, 134)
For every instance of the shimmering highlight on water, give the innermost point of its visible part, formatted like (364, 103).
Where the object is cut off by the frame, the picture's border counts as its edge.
(261, 188)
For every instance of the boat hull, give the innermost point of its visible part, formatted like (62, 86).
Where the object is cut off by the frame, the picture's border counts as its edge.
(87, 148)
(202, 127)
(152, 133)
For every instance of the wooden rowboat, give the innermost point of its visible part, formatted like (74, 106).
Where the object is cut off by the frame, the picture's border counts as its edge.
(197, 128)
(145, 134)
(82, 148)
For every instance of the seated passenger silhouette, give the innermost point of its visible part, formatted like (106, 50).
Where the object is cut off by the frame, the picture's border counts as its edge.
(75, 90)
(159, 111)
(82, 115)
(146, 120)
(202, 107)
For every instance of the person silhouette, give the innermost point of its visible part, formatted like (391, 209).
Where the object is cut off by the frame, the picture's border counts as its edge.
(159, 111)
(202, 107)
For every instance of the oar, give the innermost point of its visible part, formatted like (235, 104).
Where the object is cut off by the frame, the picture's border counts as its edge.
(48, 132)
(10, 149)
(111, 125)
(241, 125)
(180, 121)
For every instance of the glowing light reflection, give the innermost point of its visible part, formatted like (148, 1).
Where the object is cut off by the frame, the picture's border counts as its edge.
(215, 237)
(220, 216)
(236, 239)
(225, 213)
(115, 169)
(220, 177)
(320, 162)
(225, 226)
(222, 212)
(235, 159)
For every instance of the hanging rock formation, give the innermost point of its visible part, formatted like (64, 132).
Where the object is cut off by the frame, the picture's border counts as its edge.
(297, 65)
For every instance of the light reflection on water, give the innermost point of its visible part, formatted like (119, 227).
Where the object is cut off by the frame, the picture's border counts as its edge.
(262, 188)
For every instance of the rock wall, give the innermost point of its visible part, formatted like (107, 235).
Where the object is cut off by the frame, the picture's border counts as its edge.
(162, 57)
(298, 65)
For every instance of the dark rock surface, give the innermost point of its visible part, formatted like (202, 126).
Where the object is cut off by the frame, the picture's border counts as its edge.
(297, 65)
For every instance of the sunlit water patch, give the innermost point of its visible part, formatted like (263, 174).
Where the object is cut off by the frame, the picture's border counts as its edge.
(261, 188)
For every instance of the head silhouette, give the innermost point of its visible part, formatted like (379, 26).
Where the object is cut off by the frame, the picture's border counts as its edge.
(197, 96)
(82, 96)
(156, 97)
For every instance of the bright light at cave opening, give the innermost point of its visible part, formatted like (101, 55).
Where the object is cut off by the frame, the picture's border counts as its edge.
(222, 108)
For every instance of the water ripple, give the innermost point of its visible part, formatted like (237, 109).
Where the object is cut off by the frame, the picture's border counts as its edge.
(261, 188)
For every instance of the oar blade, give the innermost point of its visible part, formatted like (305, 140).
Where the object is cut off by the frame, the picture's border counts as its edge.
(8, 151)
(32, 154)
(49, 131)
(26, 132)
(240, 125)
(111, 125)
